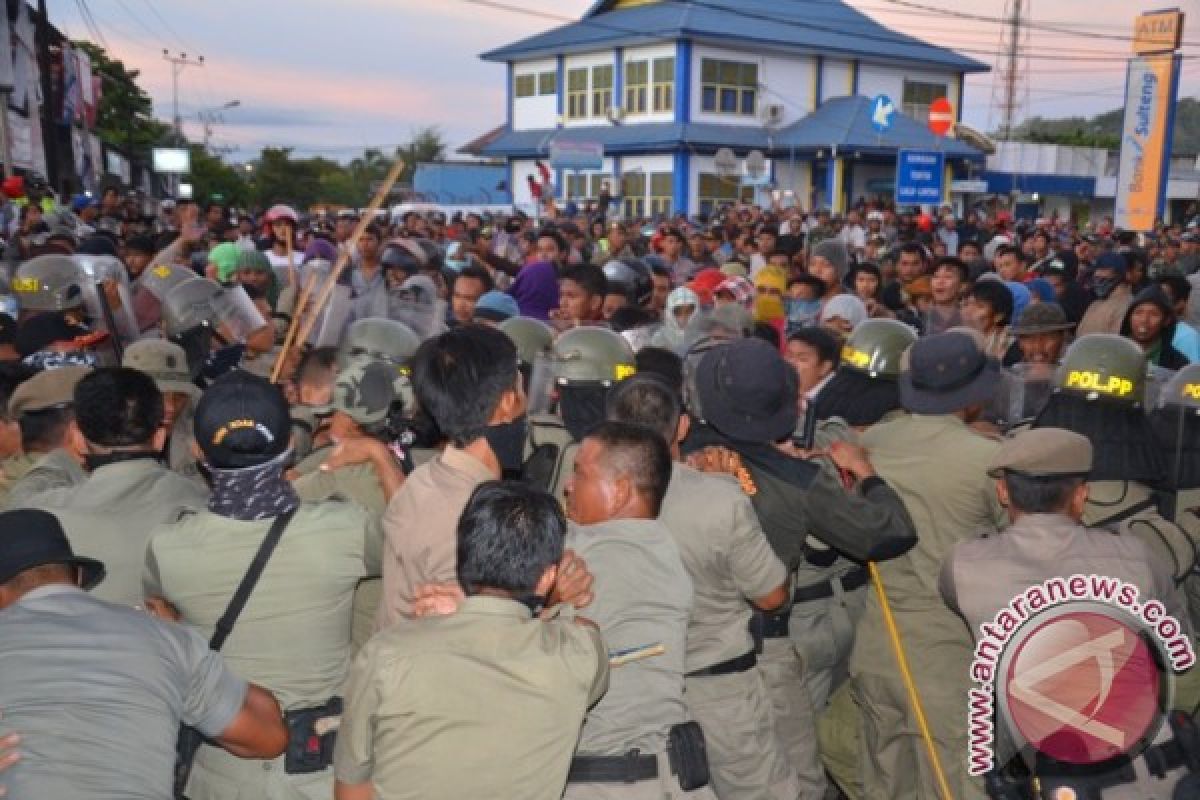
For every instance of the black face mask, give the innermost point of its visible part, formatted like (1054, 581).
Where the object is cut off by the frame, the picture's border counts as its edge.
(507, 441)
(581, 408)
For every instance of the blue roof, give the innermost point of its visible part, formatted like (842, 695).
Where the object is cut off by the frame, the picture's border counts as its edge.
(842, 121)
(846, 122)
(829, 27)
(462, 184)
(628, 139)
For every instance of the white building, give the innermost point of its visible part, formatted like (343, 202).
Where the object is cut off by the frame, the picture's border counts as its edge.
(663, 85)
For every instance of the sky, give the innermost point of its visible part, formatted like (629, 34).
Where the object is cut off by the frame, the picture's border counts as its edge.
(332, 78)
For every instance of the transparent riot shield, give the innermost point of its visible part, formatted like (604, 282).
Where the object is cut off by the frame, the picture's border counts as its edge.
(159, 280)
(542, 391)
(333, 318)
(1021, 395)
(108, 297)
(1157, 379)
(236, 316)
(189, 305)
(415, 305)
(641, 337)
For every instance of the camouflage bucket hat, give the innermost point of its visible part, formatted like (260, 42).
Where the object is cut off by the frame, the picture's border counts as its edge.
(364, 390)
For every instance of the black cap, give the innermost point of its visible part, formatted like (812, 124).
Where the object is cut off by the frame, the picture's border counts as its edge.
(38, 333)
(748, 392)
(33, 538)
(242, 420)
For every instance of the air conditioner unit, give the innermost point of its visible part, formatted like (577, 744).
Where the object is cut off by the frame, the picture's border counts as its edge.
(773, 114)
(615, 114)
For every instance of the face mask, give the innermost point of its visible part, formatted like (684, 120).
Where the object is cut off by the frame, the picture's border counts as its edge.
(1103, 288)
(53, 359)
(456, 264)
(507, 441)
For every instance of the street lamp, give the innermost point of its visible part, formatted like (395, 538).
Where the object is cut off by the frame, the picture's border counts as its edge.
(212, 116)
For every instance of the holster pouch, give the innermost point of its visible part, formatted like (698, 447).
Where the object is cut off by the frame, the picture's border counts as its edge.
(688, 756)
(312, 734)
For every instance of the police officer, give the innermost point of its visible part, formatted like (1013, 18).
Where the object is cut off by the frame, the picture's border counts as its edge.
(359, 466)
(1099, 393)
(293, 636)
(533, 339)
(110, 516)
(166, 363)
(1041, 479)
(384, 340)
(50, 283)
(217, 326)
(643, 599)
(732, 566)
(582, 366)
(743, 397)
(43, 407)
(937, 464)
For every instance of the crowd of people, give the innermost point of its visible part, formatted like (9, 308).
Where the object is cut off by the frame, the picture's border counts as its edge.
(323, 505)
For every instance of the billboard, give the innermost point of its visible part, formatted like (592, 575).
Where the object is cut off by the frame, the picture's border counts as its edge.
(577, 156)
(1150, 89)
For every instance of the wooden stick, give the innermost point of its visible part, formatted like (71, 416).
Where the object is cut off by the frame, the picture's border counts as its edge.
(343, 259)
(623, 657)
(297, 312)
(291, 257)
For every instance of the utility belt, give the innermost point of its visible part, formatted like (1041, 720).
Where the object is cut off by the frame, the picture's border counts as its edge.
(854, 579)
(1181, 753)
(742, 663)
(768, 625)
(312, 734)
(686, 755)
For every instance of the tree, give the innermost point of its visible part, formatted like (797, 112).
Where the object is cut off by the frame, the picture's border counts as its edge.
(211, 176)
(426, 145)
(125, 118)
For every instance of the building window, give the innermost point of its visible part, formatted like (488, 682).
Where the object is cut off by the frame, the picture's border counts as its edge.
(577, 94)
(547, 83)
(633, 190)
(919, 96)
(525, 86)
(664, 84)
(577, 187)
(715, 191)
(728, 87)
(598, 181)
(602, 85)
(662, 193)
(637, 86)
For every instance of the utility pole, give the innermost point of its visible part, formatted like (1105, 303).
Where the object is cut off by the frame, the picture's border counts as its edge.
(178, 64)
(1011, 74)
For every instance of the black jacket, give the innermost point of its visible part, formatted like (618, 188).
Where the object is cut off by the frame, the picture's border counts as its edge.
(1168, 356)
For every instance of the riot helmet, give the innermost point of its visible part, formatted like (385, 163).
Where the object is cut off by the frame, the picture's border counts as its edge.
(631, 277)
(49, 283)
(580, 368)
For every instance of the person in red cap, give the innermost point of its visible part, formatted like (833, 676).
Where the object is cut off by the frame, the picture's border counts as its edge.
(704, 283)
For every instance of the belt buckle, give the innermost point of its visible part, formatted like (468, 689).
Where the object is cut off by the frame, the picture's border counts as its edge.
(631, 762)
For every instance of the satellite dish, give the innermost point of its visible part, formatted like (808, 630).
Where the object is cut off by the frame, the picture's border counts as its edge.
(756, 164)
(974, 138)
(726, 162)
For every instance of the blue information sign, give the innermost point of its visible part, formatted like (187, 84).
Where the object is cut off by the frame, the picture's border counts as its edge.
(919, 175)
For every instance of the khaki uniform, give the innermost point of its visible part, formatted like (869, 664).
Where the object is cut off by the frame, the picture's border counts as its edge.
(729, 561)
(634, 561)
(421, 529)
(179, 448)
(552, 451)
(359, 484)
(789, 515)
(54, 470)
(112, 514)
(486, 702)
(939, 466)
(1105, 316)
(12, 469)
(822, 628)
(982, 576)
(293, 637)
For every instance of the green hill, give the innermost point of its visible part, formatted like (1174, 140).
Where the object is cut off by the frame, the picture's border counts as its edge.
(1104, 130)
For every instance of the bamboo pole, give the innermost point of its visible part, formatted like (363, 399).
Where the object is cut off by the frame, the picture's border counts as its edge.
(344, 258)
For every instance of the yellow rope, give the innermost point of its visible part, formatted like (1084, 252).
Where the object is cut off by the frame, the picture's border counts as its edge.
(906, 674)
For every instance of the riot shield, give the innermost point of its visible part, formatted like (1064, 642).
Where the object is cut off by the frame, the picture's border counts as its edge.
(542, 391)
(641, 336)
(1021, 395)
(159, 280)
(415, 305)
(1157, 379)
(236, 315)
(333, 318)
(108, 298)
